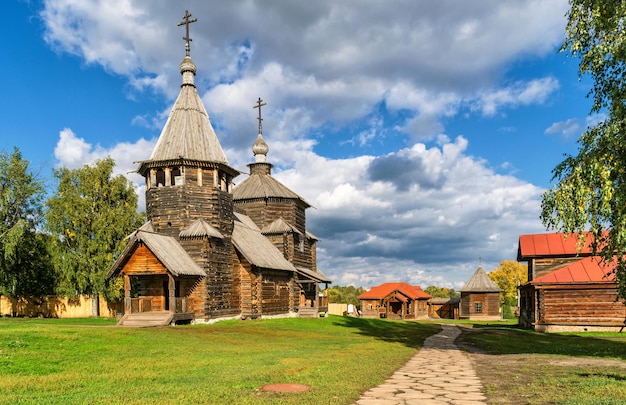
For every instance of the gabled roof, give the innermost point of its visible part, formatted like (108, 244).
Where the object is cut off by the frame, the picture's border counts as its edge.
(311, 236)
(314, 275)
(255, 247)
(165, 248)
(480, 282)
(264, 186)
(147, 226)
(200, 228)
(590, 269)
(552, 245)
(279, 226)
(383, 290)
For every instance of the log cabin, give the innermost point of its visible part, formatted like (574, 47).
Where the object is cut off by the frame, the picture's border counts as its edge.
(395, 301)
(480, 298)
(209, 250)
(568, 288)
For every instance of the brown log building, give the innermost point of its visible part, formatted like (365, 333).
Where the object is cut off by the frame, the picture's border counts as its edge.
(210, 250)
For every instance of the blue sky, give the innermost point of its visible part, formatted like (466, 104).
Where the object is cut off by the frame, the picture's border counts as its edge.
(423, 133)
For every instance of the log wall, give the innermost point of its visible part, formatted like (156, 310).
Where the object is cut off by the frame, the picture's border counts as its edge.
(590, 306)
(490, 305)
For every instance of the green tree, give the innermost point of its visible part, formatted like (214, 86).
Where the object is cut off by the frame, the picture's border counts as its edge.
(590, 193)
(345, 295)
(89, 216)
(508, 276)
(24, 263)
(442, 292)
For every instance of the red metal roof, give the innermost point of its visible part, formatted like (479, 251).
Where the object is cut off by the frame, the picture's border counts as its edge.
(588, 269)
(552, 244)
(383, 290)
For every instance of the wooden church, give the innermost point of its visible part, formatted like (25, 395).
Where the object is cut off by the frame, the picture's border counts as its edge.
(209, 250)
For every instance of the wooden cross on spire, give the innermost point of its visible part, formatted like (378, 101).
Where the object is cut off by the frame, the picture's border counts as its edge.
(259, 104)
(186, 21)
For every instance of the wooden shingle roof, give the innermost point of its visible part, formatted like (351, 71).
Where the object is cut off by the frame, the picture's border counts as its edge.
(314, 275)
(165, 248)
(480, 282)
(200, 228)
(264, 186)
(188, 135)
(383, 290)
(255, 247)
(279, 226)
(188, 131)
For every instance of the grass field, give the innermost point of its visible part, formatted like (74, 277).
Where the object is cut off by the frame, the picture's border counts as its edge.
(525, 367)
(69, 361)
(90, 361)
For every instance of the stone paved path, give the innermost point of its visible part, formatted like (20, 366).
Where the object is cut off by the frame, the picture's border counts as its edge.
(440, 373)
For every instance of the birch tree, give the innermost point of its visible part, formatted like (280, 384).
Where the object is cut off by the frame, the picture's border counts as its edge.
(24, 262)
(590, 189)
(89, 216)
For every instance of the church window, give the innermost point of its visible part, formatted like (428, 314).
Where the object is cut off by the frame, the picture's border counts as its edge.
(177, 177)
(478, 307)
(160, 178)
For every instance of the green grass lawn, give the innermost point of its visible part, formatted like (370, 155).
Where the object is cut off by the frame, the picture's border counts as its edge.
(91, 361)
(549, 368)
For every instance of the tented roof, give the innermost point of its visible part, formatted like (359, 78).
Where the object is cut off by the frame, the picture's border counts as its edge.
(480, 282)
(264, 186)
(200, 228)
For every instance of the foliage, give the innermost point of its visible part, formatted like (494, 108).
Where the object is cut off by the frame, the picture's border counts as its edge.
(344, 295)
(442, 292)
(90, 215)
(24, 263)
(591, 187)
(224, 363)
(508, 275)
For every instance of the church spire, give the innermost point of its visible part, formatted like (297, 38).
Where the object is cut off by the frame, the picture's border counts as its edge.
(188, 134)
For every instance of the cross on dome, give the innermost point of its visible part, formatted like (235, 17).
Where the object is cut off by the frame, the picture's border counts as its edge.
(186, 22)
(259, 104)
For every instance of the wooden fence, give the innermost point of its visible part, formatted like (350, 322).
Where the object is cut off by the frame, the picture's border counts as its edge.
(52, 306)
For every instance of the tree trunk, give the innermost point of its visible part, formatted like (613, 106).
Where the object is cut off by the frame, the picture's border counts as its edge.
(95, 304)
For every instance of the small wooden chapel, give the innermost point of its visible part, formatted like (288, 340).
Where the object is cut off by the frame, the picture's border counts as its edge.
(210, 250)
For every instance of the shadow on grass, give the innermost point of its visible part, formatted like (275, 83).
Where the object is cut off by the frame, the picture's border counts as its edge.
(408, 333)
(511, 339)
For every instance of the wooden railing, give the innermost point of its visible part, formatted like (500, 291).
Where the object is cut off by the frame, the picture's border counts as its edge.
(141, 304)
(145, 304)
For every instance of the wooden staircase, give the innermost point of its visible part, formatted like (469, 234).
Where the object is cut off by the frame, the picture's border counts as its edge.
(146, 319)
(307, 312)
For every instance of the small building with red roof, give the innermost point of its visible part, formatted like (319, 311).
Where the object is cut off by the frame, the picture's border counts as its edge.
(395, 301)
(568, 288)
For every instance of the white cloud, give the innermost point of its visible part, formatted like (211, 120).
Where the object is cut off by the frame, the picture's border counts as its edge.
(521, 93)
(565, 128)
(73, 152)
(430, 209)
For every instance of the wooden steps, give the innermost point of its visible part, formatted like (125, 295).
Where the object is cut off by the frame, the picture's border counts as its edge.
(308, 312)
(146, 319)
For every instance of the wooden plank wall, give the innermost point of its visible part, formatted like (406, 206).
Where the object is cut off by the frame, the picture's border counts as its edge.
(542, 266)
